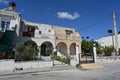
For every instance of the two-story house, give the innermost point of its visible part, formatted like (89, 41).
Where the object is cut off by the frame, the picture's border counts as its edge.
(48, 38)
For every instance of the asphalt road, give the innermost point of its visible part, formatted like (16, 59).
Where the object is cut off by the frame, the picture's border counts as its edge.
(110, 71)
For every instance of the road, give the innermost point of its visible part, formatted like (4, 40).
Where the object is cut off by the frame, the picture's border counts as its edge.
(110, 71)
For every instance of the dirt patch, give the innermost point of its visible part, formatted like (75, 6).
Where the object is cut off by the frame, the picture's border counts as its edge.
(90, 66)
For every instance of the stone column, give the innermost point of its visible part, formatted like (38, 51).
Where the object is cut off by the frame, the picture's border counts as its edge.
(39, 54)
(68, 51)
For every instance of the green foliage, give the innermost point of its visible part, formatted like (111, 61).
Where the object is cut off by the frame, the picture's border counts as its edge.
(87, 46)
(7, 55)
(108, 50)
(27, 52)
(64, 60)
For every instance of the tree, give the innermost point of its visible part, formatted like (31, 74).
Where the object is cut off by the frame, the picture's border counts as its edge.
(87, 46)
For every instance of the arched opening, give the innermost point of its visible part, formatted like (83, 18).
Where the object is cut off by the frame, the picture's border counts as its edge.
(32, 43)
(62, 48)
(46, 48)
(73, 49)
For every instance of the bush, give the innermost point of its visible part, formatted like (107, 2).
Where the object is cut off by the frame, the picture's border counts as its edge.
(26, 53)
(7, 55)
(64, 60)
(108, 50)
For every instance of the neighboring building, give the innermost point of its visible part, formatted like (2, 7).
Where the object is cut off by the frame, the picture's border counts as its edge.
(9, 22)
(109, 41)
(48, 38)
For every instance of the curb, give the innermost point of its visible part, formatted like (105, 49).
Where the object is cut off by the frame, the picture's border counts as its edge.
(35, 71)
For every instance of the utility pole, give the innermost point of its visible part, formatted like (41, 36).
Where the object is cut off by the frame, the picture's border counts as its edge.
(115, 32)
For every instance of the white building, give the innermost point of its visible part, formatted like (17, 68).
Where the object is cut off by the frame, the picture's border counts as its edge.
(108, 41)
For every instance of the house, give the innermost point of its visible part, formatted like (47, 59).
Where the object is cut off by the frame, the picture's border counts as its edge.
(48, 38)
(10, 25)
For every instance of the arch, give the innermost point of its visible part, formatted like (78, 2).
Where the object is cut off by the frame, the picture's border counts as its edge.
(62, 48)
(46, 48)
(73, 49)
(30, 43)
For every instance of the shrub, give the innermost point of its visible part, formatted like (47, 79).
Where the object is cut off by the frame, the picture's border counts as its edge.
(26, 52)
(64, 60)
(7, 55)
(108, 50)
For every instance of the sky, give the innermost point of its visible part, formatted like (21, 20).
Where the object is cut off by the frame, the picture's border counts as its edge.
(91, 18)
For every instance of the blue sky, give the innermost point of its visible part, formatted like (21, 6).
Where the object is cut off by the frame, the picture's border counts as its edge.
(89, 17)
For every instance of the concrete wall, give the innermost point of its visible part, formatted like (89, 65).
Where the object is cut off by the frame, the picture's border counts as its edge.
(7, 65)
(10, 65)
(108, 59)
(33, 64)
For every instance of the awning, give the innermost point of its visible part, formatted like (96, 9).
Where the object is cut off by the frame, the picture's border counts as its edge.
(8, 37)
(7, 40)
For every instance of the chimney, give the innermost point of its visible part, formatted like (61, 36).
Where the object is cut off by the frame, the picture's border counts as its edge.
(12, 6)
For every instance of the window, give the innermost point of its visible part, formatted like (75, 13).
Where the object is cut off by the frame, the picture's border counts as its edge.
(68, 33)
(5, 25)
(40, 32)
(49, 30)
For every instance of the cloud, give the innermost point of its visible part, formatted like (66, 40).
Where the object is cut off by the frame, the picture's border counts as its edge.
(66, 15)
(4, 1)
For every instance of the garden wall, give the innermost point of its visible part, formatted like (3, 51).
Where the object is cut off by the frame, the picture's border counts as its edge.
(7, 65)
(108, 59)
(11, 65)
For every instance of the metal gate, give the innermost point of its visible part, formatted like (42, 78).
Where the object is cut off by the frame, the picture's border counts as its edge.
(87, 58)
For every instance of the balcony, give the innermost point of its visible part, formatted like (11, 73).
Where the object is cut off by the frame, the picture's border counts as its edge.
(28, 34)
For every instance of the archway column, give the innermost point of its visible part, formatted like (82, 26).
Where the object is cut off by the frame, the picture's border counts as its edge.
(68, 50)
(39, 54)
